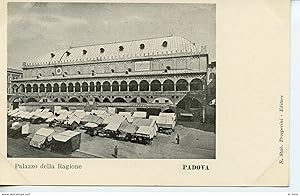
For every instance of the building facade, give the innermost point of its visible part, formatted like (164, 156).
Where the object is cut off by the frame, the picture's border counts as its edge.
(153, 75)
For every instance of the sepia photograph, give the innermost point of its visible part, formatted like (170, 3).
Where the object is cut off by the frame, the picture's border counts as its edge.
(111, 80)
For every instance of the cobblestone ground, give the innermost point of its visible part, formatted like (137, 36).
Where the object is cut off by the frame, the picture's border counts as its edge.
(194, 144)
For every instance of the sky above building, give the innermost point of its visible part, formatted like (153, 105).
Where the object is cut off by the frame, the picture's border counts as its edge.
(35, 29)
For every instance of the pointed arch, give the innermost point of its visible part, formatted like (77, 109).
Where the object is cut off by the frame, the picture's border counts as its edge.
(85, 87)
(133, 85)
(77, 87)
(42, 88)
(115, 86)
(106, 86)
(28, 88)
(119, 100)
(30, 100)
(35, 88)
(155, 85)
(55, 87)
(182, 85)
(48, 88)
(98, 86)
(168, 85)
(63, 87)
(92, 87)
(123, 86)
(106, 100)
(70, 87)
(74, 100)
(21, 88)
(144, 85)
(196, 84)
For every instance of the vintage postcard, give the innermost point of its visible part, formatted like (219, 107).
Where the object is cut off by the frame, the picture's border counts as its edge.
(170, 93)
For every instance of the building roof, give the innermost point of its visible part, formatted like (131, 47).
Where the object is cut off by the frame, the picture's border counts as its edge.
(143, 122)
(139, 114)
(145, 130)
(115, 123)
(65, 136)
(13, 70)
(44, 132)
(118, 50)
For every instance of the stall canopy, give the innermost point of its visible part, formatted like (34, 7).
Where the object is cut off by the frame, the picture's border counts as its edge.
(107, 120)
(66, 142)
(64, 116)
(169, 115)
(50, 119)
(146, 131)
(73, 119)
(125, 114)
(115, 123)
(91, 125)
(166, 121)
(139, 114)
(79, 114)
(29, 115)
(145, 122)
(92, 118)
(128, 127)
(153, 117)
(46, 115)
(102, 113)
(41, 136)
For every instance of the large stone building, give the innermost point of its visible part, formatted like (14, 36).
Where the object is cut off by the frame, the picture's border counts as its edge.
(153, 75)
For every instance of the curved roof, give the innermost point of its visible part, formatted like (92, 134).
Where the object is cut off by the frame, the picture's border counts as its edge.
(119, 50)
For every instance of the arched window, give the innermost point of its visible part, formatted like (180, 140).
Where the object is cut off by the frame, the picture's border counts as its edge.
(196, 84)
(73, 100)
(30, 100)
(35, 88)
(144, 85)
(21, 88)
(168, 85)
(70, 87)
(85, 87)
(115, 86)
(48, 88)
(182, 85)
(42, 88)
(28, 88)
(119, 100)
(98, 86)
(106, 100)
(77, 87)
(63, 87)
(133, 85)
(123, 86)
(92, 87)
(15, 88)
(55, 87)
(106, 86)
(155, 85)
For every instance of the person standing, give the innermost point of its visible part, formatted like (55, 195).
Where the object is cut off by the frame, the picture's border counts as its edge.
(116, 151)
(177, 138)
